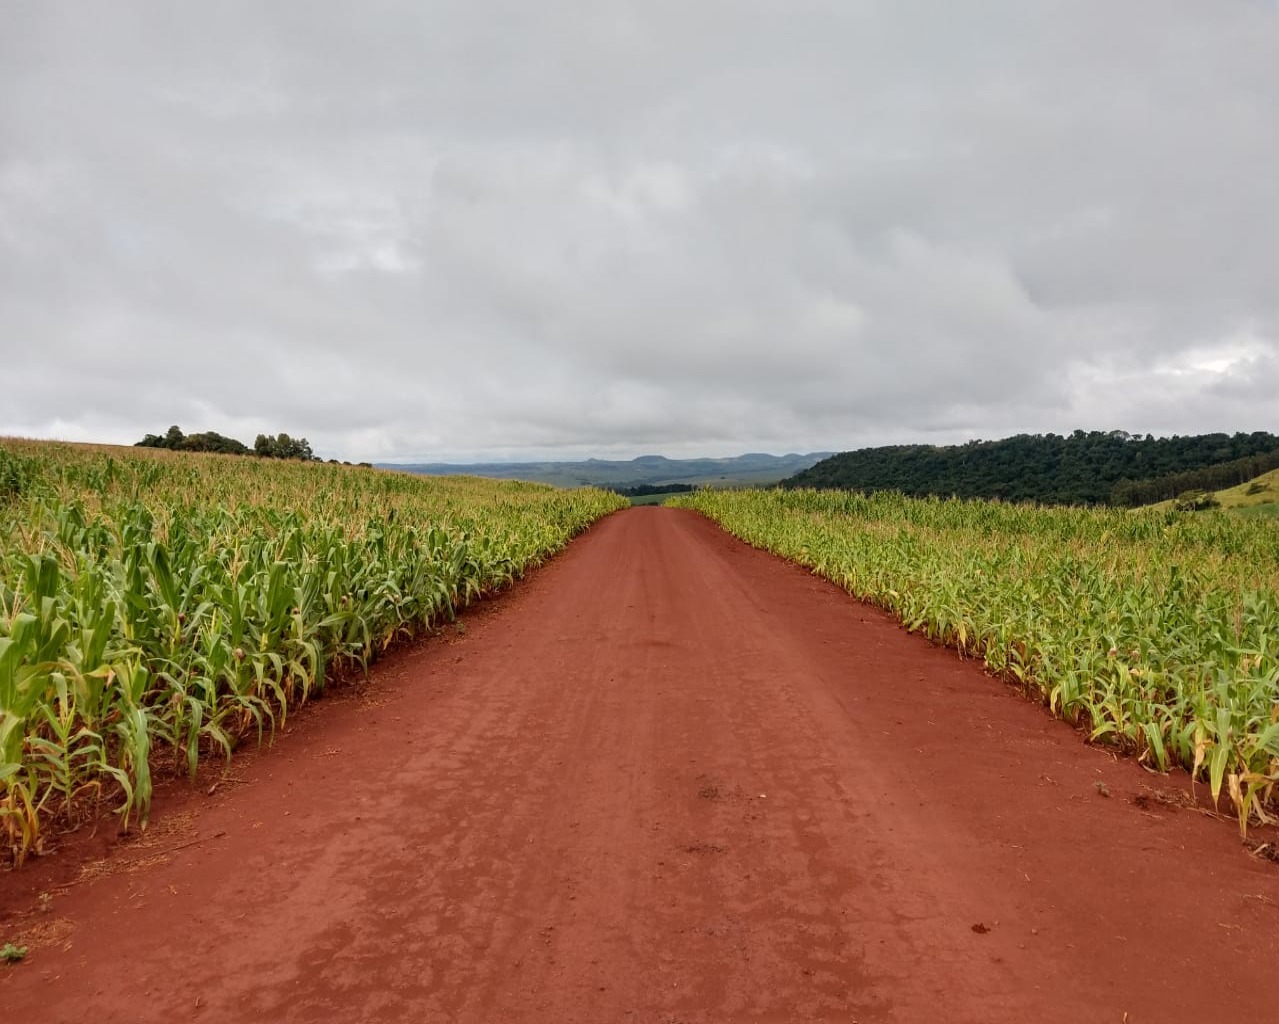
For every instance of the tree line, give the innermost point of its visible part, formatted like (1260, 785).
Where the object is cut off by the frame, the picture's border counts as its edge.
(1083, 468)
(1130, 493)
(640, 490)
(269, 446)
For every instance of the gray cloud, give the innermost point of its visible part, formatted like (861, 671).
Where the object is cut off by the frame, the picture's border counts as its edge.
(443, 230)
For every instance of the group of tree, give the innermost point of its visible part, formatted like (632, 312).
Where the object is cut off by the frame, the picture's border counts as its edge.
(281, 446)
(1218, 477)
(277, 446)
(640, 490)
(1084, 468)
(209, 441)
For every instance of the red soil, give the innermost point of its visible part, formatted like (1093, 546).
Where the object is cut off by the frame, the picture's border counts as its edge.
(668, 779)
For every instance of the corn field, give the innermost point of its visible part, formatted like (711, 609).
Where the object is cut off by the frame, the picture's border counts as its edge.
(161, 607)
(1157, 631)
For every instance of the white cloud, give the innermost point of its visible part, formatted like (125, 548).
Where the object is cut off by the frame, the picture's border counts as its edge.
(446, 229)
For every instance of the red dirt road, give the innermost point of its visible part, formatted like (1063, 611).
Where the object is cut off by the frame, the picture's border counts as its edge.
(669, 779)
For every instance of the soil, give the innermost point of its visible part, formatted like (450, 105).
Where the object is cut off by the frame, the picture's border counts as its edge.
(668, 779)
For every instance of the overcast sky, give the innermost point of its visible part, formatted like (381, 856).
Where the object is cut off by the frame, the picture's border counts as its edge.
(431, 230)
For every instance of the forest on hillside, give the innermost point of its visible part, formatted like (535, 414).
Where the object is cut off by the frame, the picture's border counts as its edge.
(1083, 468)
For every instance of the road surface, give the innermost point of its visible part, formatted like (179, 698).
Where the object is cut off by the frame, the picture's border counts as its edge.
(668, 779)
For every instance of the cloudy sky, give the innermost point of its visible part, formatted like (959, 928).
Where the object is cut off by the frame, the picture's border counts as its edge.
(448, 229)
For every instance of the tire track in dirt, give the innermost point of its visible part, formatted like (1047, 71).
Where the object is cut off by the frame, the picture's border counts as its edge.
(673, 780)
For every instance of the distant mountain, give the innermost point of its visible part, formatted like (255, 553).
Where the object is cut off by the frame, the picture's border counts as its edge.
(754, 468)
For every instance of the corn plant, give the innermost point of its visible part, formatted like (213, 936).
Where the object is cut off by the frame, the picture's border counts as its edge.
(160, 607)
(1158, 631)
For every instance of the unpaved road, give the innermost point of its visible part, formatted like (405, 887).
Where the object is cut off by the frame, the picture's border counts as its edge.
(669, 779)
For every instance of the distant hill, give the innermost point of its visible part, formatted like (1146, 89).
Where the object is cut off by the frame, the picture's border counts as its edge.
(1092, 468)
(645, 470)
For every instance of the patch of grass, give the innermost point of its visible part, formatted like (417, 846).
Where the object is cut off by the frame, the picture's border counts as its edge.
(12, 954)
(1264, 490)
(1257, 497)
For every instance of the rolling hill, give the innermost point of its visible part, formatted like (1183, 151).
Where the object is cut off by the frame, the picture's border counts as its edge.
(752, 469)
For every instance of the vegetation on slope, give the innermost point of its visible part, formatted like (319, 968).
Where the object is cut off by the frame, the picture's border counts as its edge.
(647, 490)
(1218, 477)
(1093, 468)
(157, 604)
(1155, 629)
(268, 446)
(1259, 495)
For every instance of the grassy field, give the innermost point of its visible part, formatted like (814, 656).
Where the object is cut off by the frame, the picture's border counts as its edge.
(1257, 498)
(161, 605)
(1158, 631)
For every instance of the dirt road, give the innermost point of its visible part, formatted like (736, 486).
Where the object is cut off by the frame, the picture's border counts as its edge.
(669, 779)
